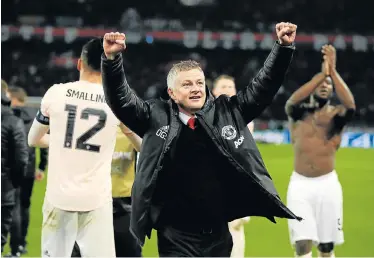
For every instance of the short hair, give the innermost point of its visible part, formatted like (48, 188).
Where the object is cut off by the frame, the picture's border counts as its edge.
(180, 67)
(4, 86)
(18, 93)
(91, 54)
(223, 76)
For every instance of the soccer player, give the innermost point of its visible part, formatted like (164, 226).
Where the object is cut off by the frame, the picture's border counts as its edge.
(78, 201)
(199, 162)
(314, 191)
(225, 84)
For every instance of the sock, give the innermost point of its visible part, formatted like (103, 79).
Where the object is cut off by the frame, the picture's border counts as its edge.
(332, 256)
(308, 255)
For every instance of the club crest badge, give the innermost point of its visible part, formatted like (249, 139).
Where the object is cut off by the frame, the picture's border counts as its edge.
(228, 132)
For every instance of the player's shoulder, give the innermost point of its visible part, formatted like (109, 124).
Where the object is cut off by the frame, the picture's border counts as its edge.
(336, 109)
(60, 87)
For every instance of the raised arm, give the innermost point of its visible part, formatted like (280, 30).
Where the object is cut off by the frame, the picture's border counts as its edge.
(345, 96)
(292, 109)
(262, 89)
(125, 104)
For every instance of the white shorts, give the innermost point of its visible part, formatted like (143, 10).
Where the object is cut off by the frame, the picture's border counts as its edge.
(92, 230)
(319, 201)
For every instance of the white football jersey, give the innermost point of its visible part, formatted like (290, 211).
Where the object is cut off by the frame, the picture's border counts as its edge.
(81, 144)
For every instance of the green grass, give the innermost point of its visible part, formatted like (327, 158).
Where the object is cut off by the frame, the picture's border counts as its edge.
(356, 173)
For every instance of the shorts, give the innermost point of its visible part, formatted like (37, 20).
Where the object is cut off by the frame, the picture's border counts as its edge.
(319, 201)
(92, 230)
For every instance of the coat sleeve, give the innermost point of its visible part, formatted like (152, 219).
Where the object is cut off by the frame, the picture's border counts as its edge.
(21, 155)
(259, 93)
(125, 104)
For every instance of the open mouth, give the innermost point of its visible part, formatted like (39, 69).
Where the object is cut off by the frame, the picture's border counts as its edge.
(195, 97)
(324, 91)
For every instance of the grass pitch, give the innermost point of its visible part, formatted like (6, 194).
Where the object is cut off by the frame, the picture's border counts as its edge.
(355, 168)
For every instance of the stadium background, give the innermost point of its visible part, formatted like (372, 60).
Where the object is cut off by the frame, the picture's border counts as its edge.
(41, 41)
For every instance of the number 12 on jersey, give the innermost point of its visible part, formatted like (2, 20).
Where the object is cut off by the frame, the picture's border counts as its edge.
(81, 143)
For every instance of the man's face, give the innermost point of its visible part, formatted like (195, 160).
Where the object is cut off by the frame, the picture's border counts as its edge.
(189, 90)
(224, 86)
(14, 102)
(325, 89)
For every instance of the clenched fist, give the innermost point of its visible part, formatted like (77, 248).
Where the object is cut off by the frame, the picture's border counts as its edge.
(286, 32)
(113, 44)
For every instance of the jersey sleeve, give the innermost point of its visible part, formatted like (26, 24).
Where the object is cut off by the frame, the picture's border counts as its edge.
(42, 115)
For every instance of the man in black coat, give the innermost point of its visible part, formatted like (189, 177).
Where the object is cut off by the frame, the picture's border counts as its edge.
(14, 158)
(198, 161)
(21, 215)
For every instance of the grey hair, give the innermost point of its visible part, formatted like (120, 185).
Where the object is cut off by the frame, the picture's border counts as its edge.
(179, 67)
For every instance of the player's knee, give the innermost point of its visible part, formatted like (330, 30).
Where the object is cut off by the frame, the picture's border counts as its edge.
(303, 247)
(326, 247)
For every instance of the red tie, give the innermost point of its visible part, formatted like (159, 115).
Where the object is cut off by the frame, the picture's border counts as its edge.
(191, 123)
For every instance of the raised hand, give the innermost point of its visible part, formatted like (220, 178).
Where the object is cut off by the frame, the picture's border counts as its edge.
(329, 53)
(114, 43)
(286, 32)
(325, 66)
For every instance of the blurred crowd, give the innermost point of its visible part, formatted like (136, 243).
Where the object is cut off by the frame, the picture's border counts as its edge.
(311, 16)
(35, 66)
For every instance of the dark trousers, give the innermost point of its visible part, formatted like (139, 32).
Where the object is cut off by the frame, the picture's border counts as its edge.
(21, 215)
(188, 241)
(125, 243)
(7, 207)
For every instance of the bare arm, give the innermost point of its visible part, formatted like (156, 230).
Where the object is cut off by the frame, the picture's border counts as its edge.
(135, 140)
(38, 136)
(344, 94)
(303, 92)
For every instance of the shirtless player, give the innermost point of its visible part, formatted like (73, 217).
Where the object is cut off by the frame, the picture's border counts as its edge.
(314, 191)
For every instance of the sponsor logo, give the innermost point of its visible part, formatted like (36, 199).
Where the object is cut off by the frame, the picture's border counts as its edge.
(163, 132)
(239, 141)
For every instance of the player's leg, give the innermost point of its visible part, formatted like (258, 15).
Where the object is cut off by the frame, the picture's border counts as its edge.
(329, 214)
(302, 233)
(59, 231)
(236, 228)
(25, 210)
(8, 201)
(125, 243)
(95, 235)
(15, 230)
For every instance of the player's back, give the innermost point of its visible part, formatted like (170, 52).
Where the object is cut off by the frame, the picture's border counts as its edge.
(82, 138)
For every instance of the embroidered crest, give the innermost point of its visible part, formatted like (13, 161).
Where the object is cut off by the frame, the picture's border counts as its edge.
(228, 132)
